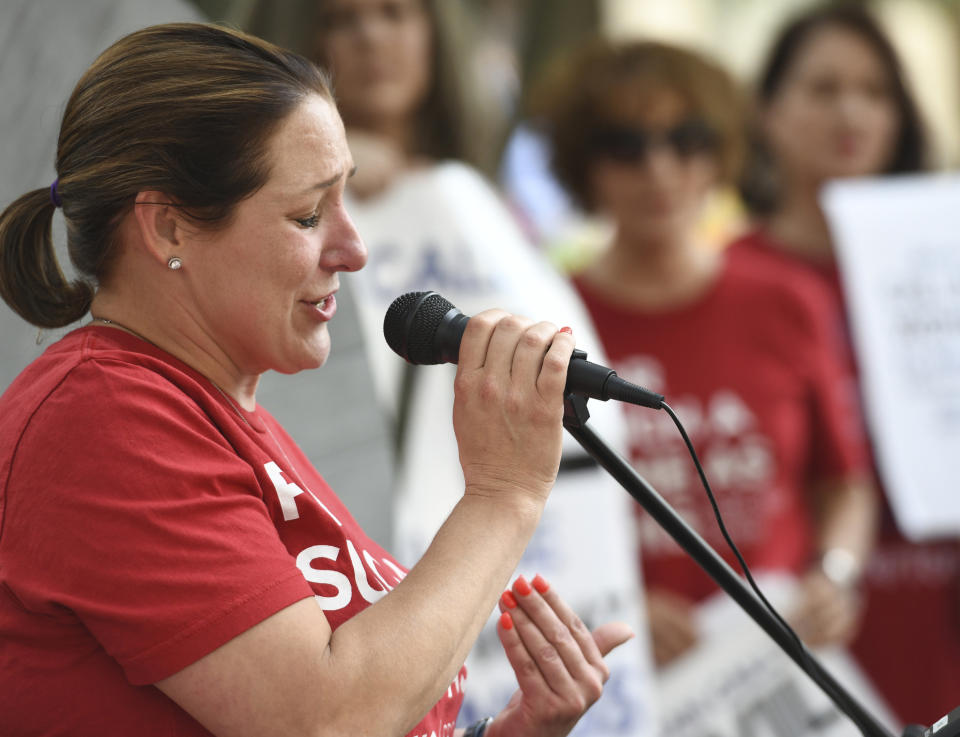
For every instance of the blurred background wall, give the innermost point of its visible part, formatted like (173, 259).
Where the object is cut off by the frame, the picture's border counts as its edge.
(511, 41)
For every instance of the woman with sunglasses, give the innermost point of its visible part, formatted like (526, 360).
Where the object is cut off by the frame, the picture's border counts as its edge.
(832, 102)
(643, 133)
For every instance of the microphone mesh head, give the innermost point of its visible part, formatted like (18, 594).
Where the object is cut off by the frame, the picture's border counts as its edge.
(411, 323)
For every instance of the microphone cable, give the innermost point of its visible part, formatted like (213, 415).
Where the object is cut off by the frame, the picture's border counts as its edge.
(801, 648)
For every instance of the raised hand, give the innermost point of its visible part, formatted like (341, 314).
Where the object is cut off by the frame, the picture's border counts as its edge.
(558, 662)
(826, 614)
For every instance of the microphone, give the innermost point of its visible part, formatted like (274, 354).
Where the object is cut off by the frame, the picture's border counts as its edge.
(425, 328)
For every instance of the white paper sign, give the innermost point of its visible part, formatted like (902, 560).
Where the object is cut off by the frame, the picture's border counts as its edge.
(739, 683)
(898, 244)
(444, 229)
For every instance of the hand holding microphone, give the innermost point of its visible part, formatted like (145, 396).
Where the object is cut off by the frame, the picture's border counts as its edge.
(508, 408)
(512, 377)
(425, 328)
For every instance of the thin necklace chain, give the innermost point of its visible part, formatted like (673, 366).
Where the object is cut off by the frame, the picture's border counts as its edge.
(105, 321)
(229, 399)
(120, 326)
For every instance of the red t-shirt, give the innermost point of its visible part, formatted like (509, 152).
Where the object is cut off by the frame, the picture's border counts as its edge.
(147, 520)
(767, 405)
(909, 641)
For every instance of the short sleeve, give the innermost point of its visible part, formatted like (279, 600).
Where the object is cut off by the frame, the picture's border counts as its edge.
(128, 511)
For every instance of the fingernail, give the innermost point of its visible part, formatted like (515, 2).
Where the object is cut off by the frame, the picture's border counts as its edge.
(540, 584)
(506, 621)
(566, 329)
(522, 587)
(508, 600)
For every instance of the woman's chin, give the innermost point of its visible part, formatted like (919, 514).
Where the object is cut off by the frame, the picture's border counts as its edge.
(307, 356)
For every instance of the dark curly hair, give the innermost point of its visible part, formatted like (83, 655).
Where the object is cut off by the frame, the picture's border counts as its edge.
(586, 93)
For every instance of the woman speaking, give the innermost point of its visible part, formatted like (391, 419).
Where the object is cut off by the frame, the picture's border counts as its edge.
(170, 561)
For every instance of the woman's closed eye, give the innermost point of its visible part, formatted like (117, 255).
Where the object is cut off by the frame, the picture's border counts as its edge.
(311, 221)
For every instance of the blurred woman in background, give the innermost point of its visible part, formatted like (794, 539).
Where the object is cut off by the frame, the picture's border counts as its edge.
(396, 85)
(832, 102)
(431, 221)
(644, 132)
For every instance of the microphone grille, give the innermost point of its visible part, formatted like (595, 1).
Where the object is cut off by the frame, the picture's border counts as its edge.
(411, 323)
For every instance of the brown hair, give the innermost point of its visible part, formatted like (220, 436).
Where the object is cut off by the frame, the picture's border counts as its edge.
(577, 99)
(185, 109)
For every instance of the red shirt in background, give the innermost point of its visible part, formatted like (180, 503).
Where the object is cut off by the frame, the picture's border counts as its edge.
(767, 402)
(909, 641)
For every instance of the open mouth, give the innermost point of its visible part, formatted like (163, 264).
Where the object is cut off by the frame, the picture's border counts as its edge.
(324, 307)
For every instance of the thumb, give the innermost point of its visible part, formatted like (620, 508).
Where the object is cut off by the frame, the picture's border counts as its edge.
(611, 635)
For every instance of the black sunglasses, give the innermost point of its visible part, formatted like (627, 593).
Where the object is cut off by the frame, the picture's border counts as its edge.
(632, 145)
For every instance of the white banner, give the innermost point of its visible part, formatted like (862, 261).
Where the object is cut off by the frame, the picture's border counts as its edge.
(898, 243)
(444, 229)
(739, 683)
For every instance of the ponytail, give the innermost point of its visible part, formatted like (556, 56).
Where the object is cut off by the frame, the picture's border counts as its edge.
(31, 280)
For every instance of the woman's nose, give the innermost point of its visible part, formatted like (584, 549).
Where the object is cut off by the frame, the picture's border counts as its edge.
(345, 250)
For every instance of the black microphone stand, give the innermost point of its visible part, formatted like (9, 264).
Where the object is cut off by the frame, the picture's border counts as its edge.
(575, 421)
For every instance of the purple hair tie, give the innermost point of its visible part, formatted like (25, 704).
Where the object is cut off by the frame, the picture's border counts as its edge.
(54, 196)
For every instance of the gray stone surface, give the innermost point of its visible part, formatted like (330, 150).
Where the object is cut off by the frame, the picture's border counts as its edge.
(45, 45)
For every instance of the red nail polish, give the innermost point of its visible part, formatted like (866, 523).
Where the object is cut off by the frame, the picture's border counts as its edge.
(508, 600)
(506, 621)
(521, 586)
(540, 584)
(567, 330)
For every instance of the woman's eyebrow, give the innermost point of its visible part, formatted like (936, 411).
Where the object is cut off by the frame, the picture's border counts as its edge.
(332, 180)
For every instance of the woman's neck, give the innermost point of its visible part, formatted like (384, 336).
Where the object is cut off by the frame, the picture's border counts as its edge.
(800, 227)
(656, 276)
(398, 132)
(186, 345)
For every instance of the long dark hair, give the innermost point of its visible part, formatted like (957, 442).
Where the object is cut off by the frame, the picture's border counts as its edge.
(186, 109)
(758, 186)
(443, 122)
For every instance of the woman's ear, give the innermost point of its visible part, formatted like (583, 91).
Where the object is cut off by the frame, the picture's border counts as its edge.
(160, 224)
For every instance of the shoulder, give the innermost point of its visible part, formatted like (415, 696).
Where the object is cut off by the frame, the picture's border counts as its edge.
(121, 372)
(791, 295)
(459, 178)
(755, 251)
(454, 170)
(119, 427)
(93, 387)
(751, 239)
(754, 257)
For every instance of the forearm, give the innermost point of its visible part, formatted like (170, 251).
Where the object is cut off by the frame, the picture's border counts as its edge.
(383, 669)
(848, 519)
(425, 628)
(828, 609)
